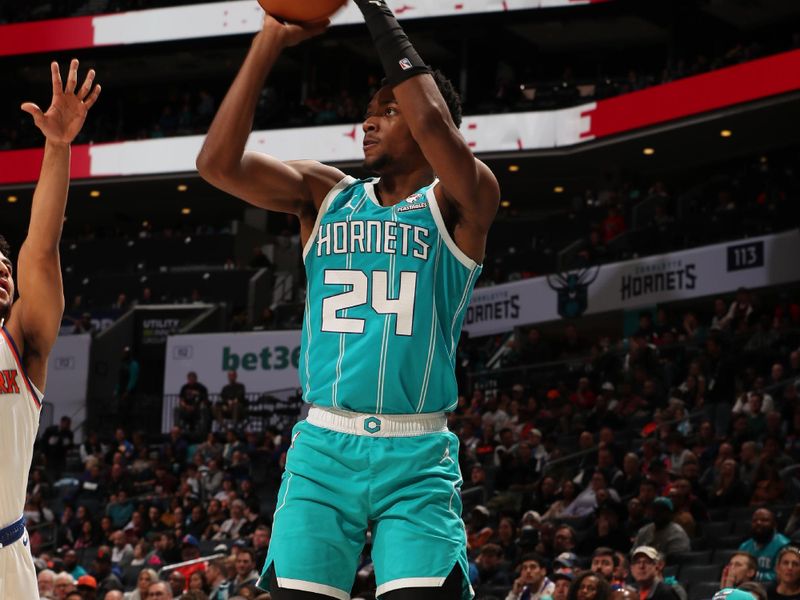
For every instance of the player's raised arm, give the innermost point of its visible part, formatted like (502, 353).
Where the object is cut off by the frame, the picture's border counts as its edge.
(37, 313)
(467, 181)
(254, 177)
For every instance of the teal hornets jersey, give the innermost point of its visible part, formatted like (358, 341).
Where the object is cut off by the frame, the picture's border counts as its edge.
(387, 292)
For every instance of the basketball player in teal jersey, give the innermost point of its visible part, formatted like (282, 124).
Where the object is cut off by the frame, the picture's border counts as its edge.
(391, 263)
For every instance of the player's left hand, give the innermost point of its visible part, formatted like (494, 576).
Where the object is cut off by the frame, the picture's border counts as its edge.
(68, 110)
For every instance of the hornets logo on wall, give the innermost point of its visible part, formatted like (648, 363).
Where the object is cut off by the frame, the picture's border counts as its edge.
(572, 289)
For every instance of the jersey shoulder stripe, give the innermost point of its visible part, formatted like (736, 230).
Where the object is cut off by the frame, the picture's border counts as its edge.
(343, 184)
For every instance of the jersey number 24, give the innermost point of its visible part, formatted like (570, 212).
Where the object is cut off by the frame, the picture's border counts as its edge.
(402, 306)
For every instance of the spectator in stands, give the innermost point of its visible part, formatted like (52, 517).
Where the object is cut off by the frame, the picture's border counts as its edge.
(71, 566)
(741, 567)
(127, 379)
(589, 586)
(58, 440)
(606, 530)
(229, 530)
(689, 509)
(728, 489)
(63, 585)
(190, 550)
(568, 494)
(218, 583)
(787, 575)
(261, 537)
(145, 578)
(562, 580)
(765, 543)
(478, 530)
(532, 583)
(647, 565)
(741, 311)
(46, 581)
(769, 487)
(604, 562)
(121, 550)
(177, 583)
(160, 590)
(106, 579)
(193, 395)
(628, 484)
(232, 405)
(613, 225)
(87, 587)
(506, 538)
(663, 534)
(246, 574)
(198, 584)
(564, 540)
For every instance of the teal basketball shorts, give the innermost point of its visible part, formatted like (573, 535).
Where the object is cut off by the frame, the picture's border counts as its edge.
(345, 472)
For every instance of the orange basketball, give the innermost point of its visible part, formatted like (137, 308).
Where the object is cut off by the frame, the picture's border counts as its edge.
(301, 11)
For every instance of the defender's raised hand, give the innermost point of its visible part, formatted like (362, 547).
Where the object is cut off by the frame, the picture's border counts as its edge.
(69, 107)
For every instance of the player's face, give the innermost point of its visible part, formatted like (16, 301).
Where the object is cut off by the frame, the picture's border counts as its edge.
(388, 143)
(6, 286)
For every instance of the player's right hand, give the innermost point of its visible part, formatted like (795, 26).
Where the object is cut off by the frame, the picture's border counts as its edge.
(292, 34)
(68, 109)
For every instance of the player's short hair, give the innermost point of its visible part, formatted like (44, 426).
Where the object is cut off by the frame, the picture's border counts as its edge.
(448, 91)
(451, 96)
(5, 247)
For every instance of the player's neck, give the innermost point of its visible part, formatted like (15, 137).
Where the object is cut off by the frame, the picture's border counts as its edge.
(396, 187)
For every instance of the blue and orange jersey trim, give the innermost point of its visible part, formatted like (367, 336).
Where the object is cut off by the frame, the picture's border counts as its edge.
(18, 358)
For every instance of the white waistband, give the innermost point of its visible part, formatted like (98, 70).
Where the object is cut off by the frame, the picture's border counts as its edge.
(370, 425)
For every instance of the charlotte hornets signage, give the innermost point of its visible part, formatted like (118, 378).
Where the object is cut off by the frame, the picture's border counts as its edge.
(694, 273)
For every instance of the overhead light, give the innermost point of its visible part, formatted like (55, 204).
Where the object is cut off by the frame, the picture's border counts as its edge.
(649, 151)
(183, 187)
(95, 193)
(12, 199)
(726, 133)
(186, 211)
(559, 189)
(513, 168)
(505, 204)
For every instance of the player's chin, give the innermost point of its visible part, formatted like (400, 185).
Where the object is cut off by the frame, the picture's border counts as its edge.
(376, 164)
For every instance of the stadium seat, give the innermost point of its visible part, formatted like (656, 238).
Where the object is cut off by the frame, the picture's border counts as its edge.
(741, 513)
(741, 528)
(730, 541)
(719, 514)
(693, 574)
(702, 557)
(699, 543)
(713, 530)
